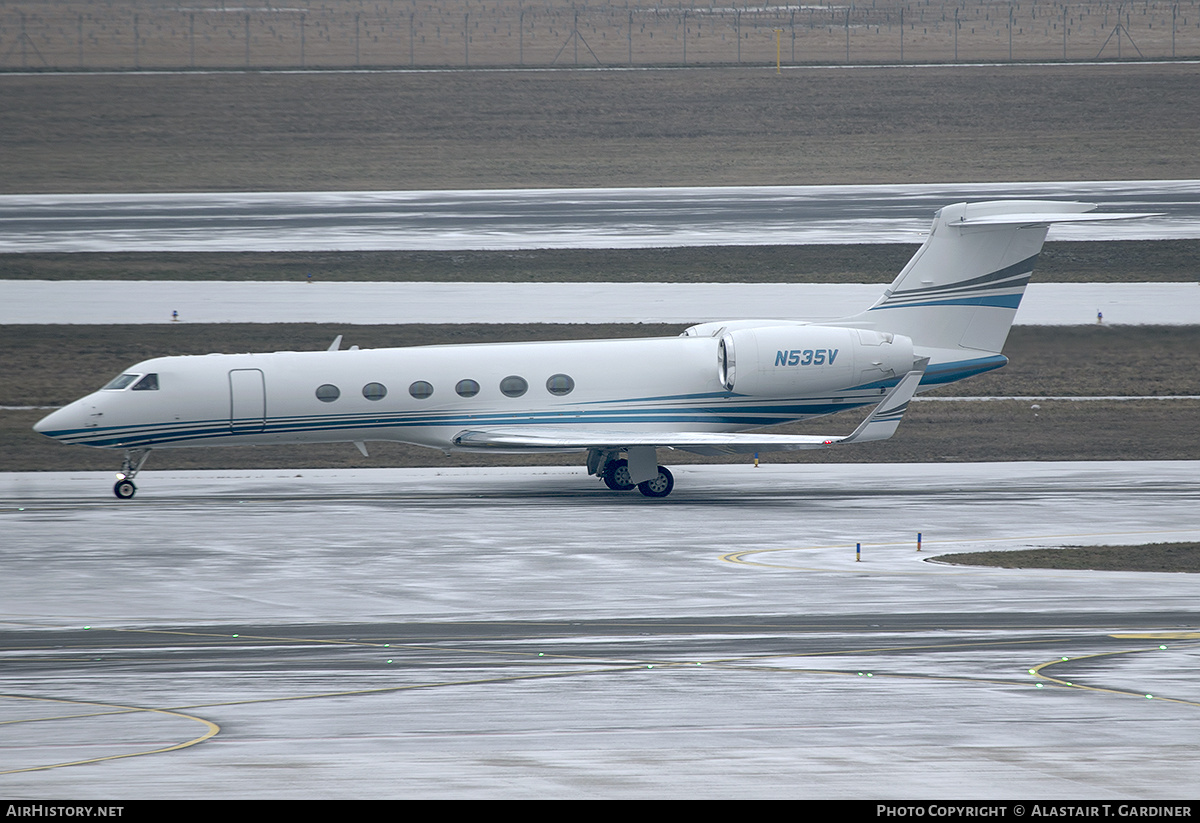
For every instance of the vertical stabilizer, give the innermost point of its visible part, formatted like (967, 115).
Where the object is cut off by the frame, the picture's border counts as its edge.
(958, 294)
(963, 286)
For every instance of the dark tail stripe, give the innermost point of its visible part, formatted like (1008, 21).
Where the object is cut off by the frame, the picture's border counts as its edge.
(1021, 269)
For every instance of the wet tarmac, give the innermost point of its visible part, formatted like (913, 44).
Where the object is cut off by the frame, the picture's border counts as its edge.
(527, 633)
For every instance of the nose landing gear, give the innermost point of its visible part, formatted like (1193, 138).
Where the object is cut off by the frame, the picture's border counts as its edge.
(134, 460)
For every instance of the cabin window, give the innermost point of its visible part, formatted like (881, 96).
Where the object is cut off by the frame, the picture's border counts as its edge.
(420, 389)
(147, 383)
(120, 382)
(513, 386)
(328, 393)
(467, 388)
(374, 391)
(560, 384)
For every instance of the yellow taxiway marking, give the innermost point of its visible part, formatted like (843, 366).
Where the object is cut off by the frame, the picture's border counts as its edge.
(1039, 671)
(1157, 636)
(612, 666)
(211, 729)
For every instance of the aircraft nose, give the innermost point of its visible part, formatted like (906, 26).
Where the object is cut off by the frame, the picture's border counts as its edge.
(60, 422)
(48, 423)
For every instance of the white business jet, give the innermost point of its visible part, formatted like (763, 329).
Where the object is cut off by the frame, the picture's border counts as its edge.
(707, 391)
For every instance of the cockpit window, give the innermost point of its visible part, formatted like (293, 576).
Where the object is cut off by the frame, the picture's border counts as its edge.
(120, 382)
(147, 383)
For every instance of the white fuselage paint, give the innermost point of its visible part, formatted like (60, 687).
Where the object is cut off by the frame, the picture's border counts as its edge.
(642, 385)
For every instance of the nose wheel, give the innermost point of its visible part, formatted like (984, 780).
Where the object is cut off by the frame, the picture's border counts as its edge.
(134, 460)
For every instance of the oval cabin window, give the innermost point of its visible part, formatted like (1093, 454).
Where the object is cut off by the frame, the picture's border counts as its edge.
(513, 386)
(560, 384)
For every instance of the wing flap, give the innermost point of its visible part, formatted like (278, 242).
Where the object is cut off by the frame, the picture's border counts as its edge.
(562, 439)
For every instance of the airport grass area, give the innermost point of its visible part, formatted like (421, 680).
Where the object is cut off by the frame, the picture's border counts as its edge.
(1153, 557)
(1117, 261)
(737, 125)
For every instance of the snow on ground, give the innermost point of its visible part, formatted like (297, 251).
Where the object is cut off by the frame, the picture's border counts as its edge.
(88, 302)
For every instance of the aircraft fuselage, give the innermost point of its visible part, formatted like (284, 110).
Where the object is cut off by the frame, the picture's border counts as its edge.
(426, 395)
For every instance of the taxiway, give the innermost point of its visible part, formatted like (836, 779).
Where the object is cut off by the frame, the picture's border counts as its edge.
(526, 633)
(555, 218)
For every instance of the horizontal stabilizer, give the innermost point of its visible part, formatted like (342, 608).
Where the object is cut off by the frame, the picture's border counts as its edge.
(1045, 218)
(879, 425)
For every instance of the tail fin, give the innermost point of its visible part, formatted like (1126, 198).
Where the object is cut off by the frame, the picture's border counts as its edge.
(963, 286)
(958, 295)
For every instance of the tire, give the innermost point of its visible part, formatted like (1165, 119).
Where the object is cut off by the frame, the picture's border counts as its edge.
(616, 475)
(124, 489)
(659, 486)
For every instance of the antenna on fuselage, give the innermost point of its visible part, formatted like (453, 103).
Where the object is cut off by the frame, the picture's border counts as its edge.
(336, 344)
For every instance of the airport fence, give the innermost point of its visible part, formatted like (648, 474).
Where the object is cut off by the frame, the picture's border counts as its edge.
(152, 34)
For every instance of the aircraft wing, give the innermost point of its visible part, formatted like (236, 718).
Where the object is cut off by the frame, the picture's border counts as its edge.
(879, 425)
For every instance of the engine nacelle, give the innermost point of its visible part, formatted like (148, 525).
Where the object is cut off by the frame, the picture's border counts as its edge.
(781, 361)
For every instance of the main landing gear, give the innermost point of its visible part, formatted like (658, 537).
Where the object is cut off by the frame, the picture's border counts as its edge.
(134, 460)
(659, 486)
(615, 472)
(616, 475)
